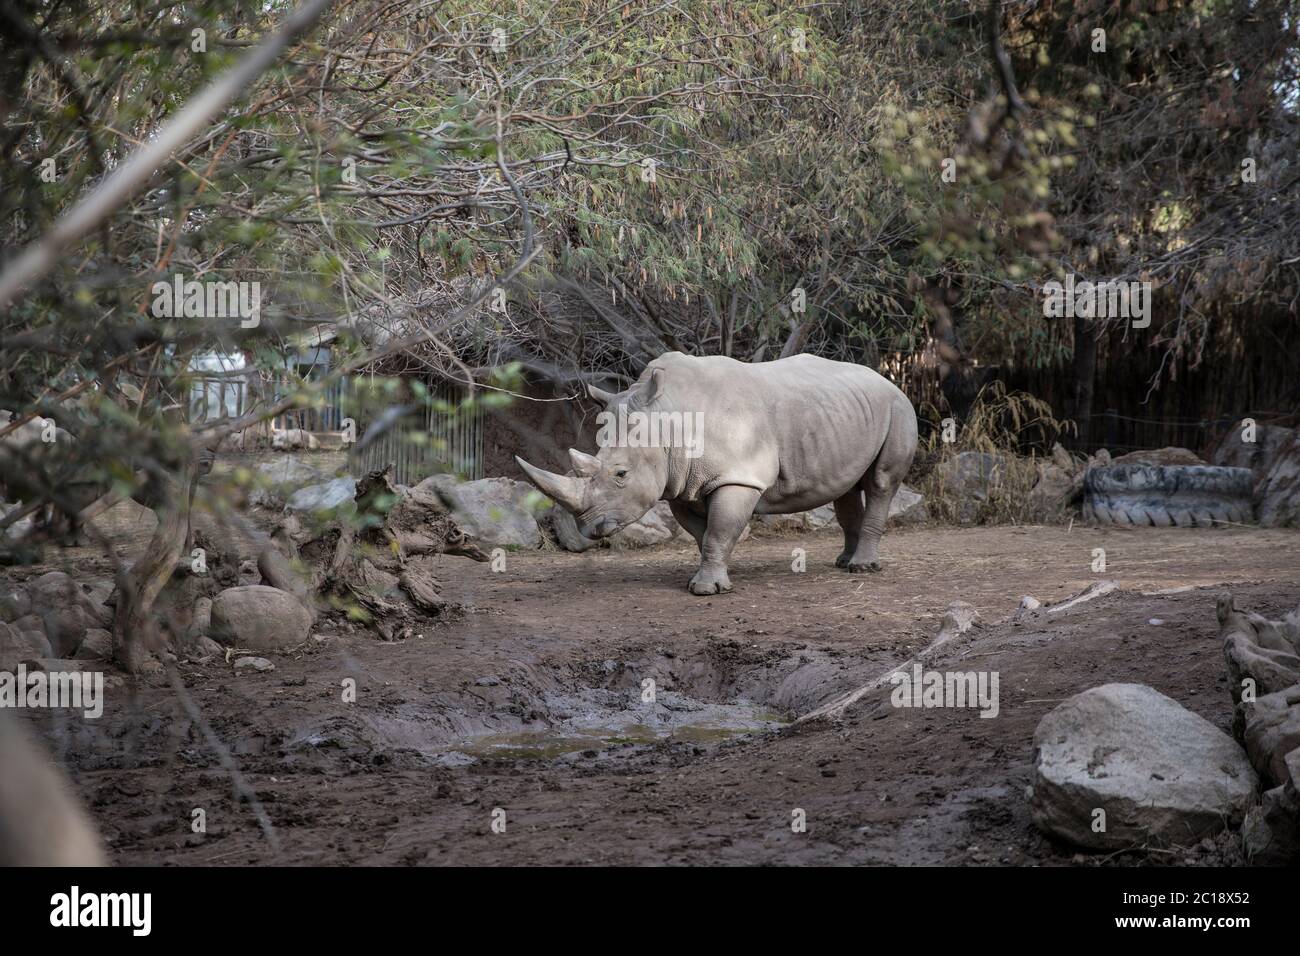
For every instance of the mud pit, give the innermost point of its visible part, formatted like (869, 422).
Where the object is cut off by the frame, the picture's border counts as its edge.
(533, 704)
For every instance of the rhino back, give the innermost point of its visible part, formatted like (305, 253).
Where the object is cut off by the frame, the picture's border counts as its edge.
(802, 428)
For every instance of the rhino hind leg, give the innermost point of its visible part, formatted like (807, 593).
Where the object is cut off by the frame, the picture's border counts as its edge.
(848, 512)
(730, 508)
(878, 485)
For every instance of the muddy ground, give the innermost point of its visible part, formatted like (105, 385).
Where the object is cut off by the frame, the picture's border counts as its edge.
(532, 704)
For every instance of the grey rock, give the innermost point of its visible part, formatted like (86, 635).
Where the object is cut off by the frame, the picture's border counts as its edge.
(969, 477)
(276, 480)
(499, 512)
(259, 618)
(253, 663)
(17, 646)
(1162, 774)
(648, 530)
(330, 497)
(14, 602)
(97, 645)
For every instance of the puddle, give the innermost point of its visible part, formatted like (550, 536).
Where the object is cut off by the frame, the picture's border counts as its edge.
(673, 718)
(536, 711)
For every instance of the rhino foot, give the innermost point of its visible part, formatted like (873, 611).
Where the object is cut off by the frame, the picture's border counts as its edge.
(843, 560)
(710, 582)
(861, 567)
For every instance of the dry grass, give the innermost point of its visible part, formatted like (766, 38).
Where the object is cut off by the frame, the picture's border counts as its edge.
(1003, 426)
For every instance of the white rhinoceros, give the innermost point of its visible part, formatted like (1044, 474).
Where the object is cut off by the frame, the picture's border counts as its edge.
(721, 440)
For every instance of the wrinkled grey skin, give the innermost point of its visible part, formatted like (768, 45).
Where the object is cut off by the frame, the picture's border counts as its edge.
(778, 437)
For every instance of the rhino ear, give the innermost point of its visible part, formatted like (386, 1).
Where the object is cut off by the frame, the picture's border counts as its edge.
(585, 465)
(600, 395)
(649, 391)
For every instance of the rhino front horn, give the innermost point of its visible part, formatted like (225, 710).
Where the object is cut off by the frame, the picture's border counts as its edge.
(563, 489)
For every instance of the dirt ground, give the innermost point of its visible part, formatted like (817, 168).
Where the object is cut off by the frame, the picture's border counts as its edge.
(530, 708)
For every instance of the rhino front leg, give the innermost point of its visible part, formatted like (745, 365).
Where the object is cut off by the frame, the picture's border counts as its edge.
(730, 508)
(688, 519)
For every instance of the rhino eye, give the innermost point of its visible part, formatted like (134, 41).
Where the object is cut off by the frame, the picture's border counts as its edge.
(620, 473)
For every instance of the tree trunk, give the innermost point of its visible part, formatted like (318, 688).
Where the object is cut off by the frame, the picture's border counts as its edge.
(134, 633)
(1085, 374)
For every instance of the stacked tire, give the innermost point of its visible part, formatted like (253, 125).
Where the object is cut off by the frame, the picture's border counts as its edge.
(1186, 496)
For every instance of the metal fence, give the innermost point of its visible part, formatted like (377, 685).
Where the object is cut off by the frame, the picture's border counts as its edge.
(426, 443)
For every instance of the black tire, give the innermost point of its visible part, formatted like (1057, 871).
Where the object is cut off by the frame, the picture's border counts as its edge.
(1188, 496)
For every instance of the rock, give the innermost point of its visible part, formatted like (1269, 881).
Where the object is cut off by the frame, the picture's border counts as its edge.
(1274, 460)
(650, 529)
(328, 498)
(18, 646)
(1278, 496)
(1054, 490)
(259, 618)
(14, 603)
(800, 521)
(65, 627)
(97, 645)
(55, 589)
(1270, 834)
(204, 648)
(277, 480)
(98, 595)
(908, 507)
(969, 477)
(1162, 774)
(33, 624)
(253, 663)
(500, 512)
(1259, 455)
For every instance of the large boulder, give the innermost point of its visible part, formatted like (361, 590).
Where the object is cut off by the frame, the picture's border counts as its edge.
(329, 498)
(500, 512)
(276, 480)
(1273, 457)
(1278, 498)
(1162, 774)
(66, 611)
(259, 618)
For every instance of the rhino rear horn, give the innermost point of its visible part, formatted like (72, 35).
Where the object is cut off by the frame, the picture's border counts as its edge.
(585, 465)
(562, 489)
